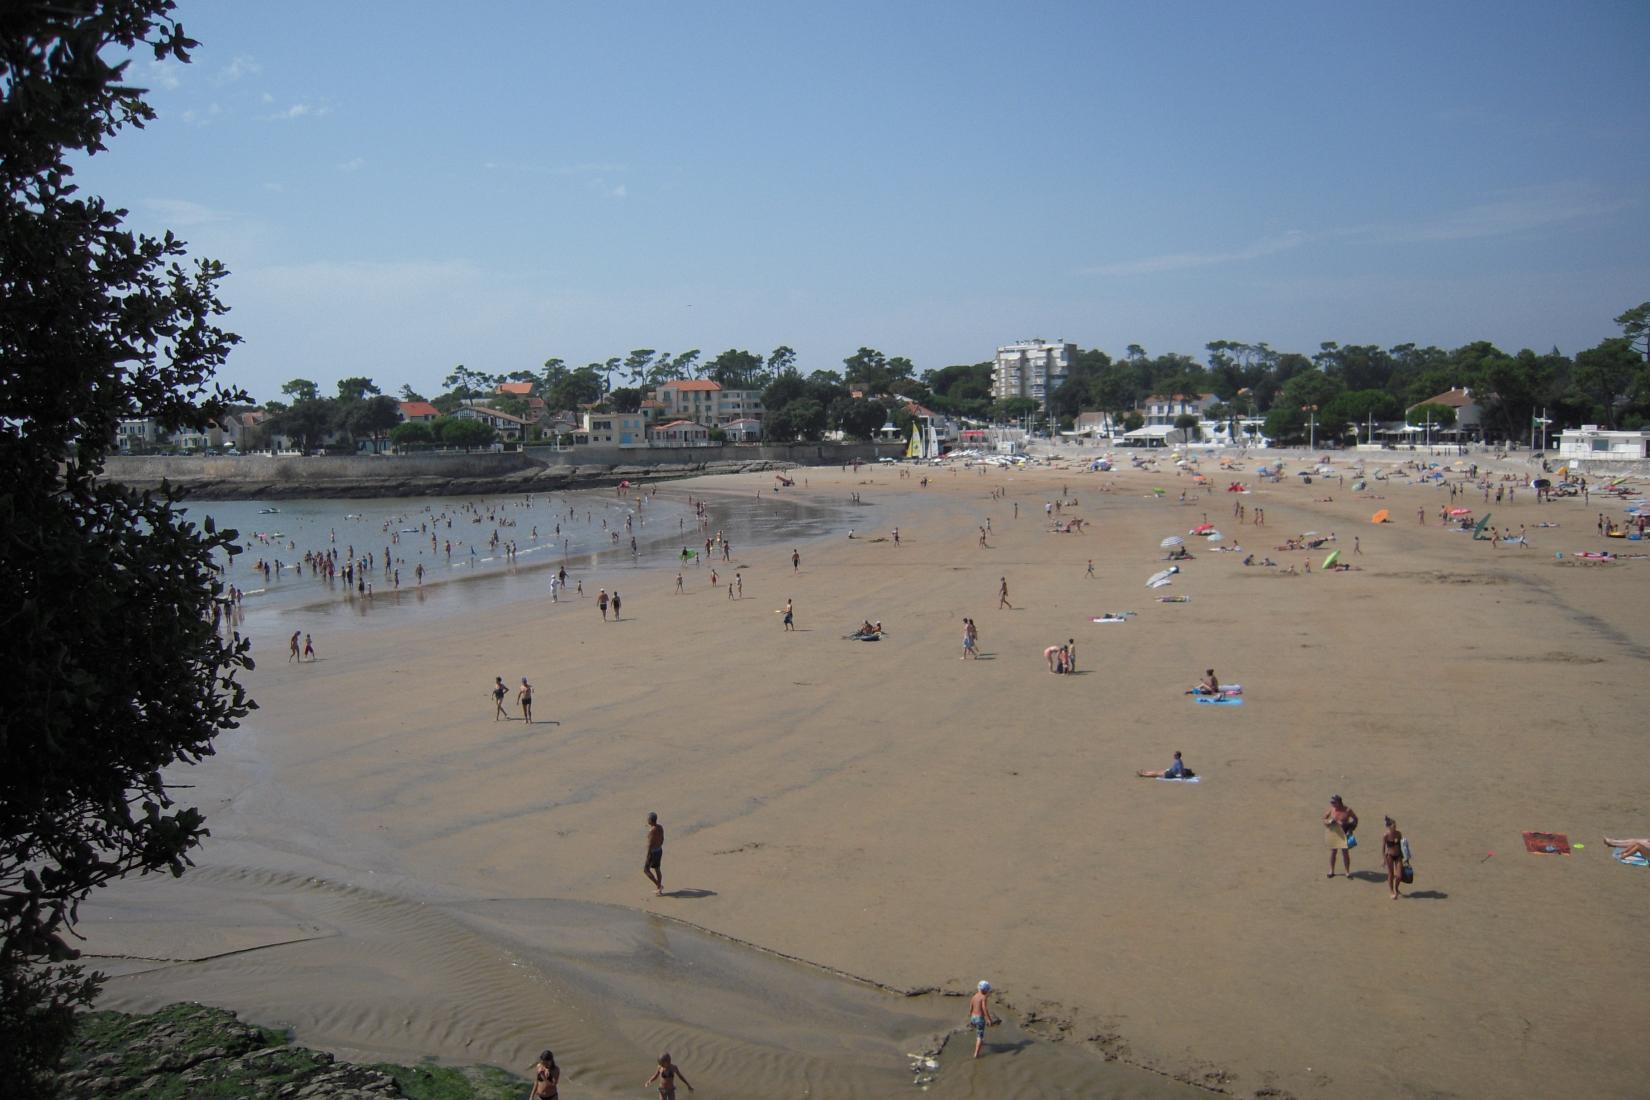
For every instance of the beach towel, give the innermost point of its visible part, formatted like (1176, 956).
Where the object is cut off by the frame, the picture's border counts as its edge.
(1335, 836)
(1218, 701)
(1195, 779)
(1634, 860)
(1557, 844)
(1108, 619)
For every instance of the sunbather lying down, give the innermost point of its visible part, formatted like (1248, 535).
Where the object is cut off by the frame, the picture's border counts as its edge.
(1637, 846)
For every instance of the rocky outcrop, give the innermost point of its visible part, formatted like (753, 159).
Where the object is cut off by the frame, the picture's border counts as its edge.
(192, 1050)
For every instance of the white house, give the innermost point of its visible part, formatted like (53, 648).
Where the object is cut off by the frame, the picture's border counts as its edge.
(1590, 443)
(1166, 408)
(1469, 415)
(744, 430)
(509, 428)
(681, 433)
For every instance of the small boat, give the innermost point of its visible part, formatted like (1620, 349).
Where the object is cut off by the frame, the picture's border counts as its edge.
(269, 511)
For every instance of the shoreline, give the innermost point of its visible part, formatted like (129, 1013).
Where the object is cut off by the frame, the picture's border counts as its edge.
(814, 791)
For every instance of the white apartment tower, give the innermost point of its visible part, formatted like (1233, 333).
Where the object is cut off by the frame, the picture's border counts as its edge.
(1031, 368)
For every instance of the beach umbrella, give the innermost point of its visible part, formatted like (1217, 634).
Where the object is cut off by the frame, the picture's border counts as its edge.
(1213, 536)
(1541, 483)
(1201, 528)
(1460, 511)
(1380, 517)
(1334, 556)
(1172, 540)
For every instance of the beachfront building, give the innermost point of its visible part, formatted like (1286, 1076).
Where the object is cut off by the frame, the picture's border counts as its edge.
(137, 435)
(1469, 415)
(1590, 443)
(1167, 408)
(946, 429)
(1031, 368)
(509, 428)
(705, 402)
(1154, 435)
(744, 430)
(681, 433)
(610, 429)
(522, 390)
(1096, 423)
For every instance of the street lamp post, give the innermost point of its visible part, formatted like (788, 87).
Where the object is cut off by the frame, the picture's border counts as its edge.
(1311, 412)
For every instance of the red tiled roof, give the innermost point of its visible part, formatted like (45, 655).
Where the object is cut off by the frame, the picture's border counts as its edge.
(411, 409)
(1454, 398)
(677, 424)
(649, 403)
(693, 384)
(520, 389)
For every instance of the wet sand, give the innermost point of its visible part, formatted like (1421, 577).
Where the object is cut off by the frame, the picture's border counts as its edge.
(888, 811)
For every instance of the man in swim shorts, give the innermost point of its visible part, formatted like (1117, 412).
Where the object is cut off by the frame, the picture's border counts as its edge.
(655, 854)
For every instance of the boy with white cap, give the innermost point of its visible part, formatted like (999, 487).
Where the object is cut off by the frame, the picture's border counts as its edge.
(979, 1015)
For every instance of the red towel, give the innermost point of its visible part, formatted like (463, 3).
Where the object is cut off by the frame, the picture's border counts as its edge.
(1547, 843)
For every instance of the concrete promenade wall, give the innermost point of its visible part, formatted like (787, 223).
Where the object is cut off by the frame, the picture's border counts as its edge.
(259, 477)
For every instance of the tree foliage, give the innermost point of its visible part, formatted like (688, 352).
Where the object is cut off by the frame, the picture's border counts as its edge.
(110, 594)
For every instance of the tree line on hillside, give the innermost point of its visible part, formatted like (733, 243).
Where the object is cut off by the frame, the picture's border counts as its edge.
(1335, 390)
(1342, 386)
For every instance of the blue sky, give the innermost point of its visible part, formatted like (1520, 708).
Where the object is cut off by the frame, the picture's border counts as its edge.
(401, 188)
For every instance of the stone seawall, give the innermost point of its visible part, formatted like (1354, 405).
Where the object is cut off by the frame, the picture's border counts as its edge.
(278, 477)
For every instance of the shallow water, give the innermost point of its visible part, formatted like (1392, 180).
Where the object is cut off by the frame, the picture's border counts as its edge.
(400, 531)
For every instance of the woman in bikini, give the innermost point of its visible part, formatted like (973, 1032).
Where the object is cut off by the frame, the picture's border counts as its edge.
(546, 1078)
(666, 1075)
(1392, 854)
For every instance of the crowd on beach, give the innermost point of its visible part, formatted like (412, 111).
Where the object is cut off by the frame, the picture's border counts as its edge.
(1340, 821)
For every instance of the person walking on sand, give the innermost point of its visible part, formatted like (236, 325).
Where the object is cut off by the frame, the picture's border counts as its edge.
(524, 699)
(1392, 854)
(294, 655)
(615, 605)
(1090, 575)
(678, 582)
(796, 561)
(1053, 656)
(979, 1015)
(1002, 594)
(546, 1078)
(309, 648)
(1071, 654)
(789, 611)
(652, 865)
(666, 1075)
(968, 641)
(1340, 818)
(500, 693)
(601, 602)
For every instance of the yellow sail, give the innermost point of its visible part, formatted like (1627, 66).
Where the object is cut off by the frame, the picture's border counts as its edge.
(914, 448)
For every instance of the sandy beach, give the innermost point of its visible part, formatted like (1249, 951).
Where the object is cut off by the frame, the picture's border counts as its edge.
(393, 871)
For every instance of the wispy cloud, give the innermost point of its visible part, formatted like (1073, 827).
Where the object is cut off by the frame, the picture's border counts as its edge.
(586, 168)
(183, 212)
(302, 109)
(197, 117)
(162, 74)
(354, 164)
(1501, 214)
(1180, 261)
(240, 66)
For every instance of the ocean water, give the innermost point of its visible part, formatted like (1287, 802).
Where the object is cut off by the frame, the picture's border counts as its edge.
(461, 542)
